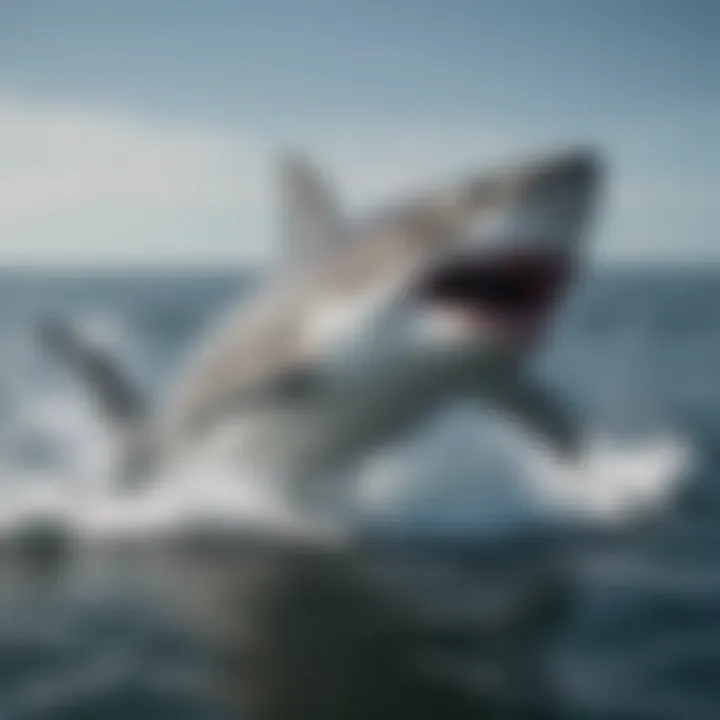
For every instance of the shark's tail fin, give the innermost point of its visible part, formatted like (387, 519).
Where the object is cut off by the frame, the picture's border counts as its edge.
(121, 402)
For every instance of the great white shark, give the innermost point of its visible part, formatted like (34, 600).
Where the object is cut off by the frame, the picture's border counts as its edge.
(368, 326)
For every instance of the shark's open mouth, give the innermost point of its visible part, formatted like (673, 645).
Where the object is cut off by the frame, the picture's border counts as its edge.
(513, 291)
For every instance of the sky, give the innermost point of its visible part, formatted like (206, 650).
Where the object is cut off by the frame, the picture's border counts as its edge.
(141, 132)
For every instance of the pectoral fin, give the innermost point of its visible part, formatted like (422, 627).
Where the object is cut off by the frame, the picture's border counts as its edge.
(540, 410)
(119, 399)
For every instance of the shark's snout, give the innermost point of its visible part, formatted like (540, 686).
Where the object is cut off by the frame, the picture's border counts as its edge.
(578, 166)
(565, 193)
(515, 258)
(544, 208)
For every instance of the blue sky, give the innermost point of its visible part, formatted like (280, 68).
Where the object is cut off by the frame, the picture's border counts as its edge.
(144, 131)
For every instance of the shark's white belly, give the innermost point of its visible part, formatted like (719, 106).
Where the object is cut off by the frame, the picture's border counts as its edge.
(311, 440)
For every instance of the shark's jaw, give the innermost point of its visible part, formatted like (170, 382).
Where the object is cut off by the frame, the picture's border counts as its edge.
(508, 294)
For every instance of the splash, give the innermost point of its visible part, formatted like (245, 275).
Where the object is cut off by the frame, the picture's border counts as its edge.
(468, 476)
(422, 486)
(460, 473)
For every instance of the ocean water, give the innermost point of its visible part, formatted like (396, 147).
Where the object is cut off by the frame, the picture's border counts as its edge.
(487, 581)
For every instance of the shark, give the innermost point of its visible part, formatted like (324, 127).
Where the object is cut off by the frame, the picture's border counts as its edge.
(367, 326)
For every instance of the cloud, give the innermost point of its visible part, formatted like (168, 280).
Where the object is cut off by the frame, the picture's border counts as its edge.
(62, 159)
(83, 185)
(71, 181)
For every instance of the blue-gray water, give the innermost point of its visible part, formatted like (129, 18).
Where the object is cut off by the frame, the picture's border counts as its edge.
(396, 628)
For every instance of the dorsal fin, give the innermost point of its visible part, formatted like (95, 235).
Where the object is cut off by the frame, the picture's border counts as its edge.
(310, 221)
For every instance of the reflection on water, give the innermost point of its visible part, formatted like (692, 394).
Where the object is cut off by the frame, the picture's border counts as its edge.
(268, 631)
(321, 635)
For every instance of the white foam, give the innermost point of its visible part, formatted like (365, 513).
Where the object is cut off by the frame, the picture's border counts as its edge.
(499, 481)
(459, 471)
